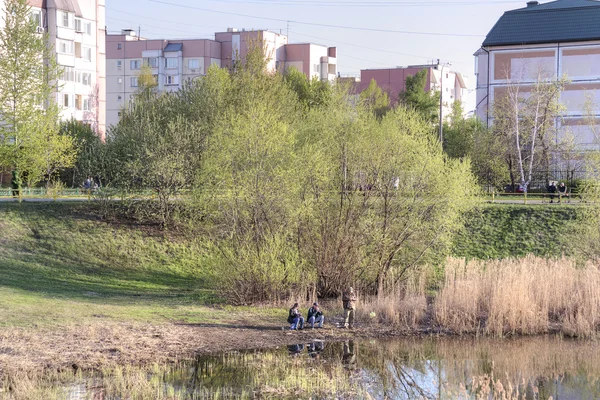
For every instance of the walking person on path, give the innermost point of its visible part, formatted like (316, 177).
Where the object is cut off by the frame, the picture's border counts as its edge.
(349, 299)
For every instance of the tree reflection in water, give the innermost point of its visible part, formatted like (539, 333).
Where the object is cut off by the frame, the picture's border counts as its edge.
(539, 368)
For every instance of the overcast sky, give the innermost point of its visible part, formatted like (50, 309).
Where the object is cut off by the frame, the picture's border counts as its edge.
(367, 33)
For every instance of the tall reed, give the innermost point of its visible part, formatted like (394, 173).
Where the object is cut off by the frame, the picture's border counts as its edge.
(525, 296)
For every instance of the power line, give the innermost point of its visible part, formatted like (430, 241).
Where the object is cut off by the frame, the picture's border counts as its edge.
(314, 23)
(371, 4)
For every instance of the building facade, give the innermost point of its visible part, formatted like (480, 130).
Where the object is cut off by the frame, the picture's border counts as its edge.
(550, 40)
(440, 77)
(173, 62)
(77, 35)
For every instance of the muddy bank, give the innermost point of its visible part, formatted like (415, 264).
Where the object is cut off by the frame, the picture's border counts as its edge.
(105, 344)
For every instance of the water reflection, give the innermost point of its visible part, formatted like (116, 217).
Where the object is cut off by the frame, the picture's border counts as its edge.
(546, 368)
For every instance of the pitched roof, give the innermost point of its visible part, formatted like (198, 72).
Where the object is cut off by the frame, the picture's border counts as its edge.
(174, 47)
(556, 21)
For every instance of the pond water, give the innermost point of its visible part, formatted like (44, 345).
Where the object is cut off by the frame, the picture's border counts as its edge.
(536, 368)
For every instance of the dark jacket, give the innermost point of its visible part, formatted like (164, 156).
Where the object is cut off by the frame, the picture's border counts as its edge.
(314, 312)
(552, 189)
(294, 313)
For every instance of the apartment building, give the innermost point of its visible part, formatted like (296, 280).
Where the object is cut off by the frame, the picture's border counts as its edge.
(550, 40)
(173, 62)
(76, 30)
(440, 77)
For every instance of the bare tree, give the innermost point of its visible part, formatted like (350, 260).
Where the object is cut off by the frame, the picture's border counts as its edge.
(525, 114)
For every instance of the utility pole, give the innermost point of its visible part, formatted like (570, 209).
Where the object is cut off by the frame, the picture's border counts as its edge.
(441, 127)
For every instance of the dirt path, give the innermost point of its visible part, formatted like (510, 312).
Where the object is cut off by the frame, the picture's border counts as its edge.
(108, 344)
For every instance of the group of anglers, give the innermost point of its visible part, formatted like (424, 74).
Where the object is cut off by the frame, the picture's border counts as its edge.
(315, 314)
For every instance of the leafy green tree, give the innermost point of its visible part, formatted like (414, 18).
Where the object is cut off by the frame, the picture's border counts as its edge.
(89, 149)
(415, 97)
(28, 74)
(374, 98)
(311, 93)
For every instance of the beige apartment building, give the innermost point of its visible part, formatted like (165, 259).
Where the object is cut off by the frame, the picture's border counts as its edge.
(76, 30)
(174, 62)
(552, 39)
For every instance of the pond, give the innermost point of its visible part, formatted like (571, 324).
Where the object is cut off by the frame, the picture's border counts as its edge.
(530, 368)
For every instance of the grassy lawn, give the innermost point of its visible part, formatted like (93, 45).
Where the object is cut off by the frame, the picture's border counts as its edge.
(504, 230)
(60, 264)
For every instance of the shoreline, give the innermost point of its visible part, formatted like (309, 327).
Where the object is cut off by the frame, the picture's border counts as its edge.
(108, 344)
(92, 347)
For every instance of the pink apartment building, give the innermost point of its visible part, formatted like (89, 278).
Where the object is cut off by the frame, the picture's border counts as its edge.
(174, 62)
(439, 77)
(76, 30)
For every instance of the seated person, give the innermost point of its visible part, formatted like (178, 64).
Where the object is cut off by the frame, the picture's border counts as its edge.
(562, 190)
(295, 318)
(315, 315)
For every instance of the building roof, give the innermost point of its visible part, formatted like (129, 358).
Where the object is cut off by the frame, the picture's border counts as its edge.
(554, 22)
(174, 47)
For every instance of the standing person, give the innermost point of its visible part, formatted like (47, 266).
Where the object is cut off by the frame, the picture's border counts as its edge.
(15, 183)
(315, 315)
(552, 190)
(562, 190)
(349, 299)
(295, 318)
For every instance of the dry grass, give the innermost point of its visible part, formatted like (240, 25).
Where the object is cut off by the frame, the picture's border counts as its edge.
(526, 296)
(406, 307)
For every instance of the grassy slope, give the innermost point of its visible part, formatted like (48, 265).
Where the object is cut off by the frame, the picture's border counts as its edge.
(59, 264)
(502, 231)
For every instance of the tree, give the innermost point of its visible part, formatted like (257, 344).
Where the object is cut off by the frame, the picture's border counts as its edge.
(415, 97)
(89, 150)
(311, 93)
(525, 115)
(374, 98)
(28, 75)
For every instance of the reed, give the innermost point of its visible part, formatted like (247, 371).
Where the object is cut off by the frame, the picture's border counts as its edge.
(527, 296)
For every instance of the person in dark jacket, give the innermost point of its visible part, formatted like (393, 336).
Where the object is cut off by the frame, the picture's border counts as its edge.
(295, 318)
(552, 190)
(315, 315)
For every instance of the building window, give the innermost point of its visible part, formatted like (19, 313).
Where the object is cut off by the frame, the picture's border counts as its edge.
(119, 97)
(36, 16)
(119, 64)
(119, 46)
(87, 54)
(65, 19)
(78, 102)
(86, 105)
(171, 80)
(171, 62)
(86, 79)
(78, 25)
(66, 103)
(134, 82)
(194, 64)
(88, 28)
(65, 46)
(119, 80)
(135, 64)
(316, 67)
(68, 74)
(152, 62)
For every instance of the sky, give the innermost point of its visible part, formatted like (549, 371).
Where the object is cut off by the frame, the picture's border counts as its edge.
(367, 33)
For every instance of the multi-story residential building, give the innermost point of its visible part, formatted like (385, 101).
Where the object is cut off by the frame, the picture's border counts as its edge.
(551, 40)
(76, 30)
(173, 62)
(439, 78)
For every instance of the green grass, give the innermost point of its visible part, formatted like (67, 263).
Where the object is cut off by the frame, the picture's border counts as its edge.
(498, 231)
(60, 264)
